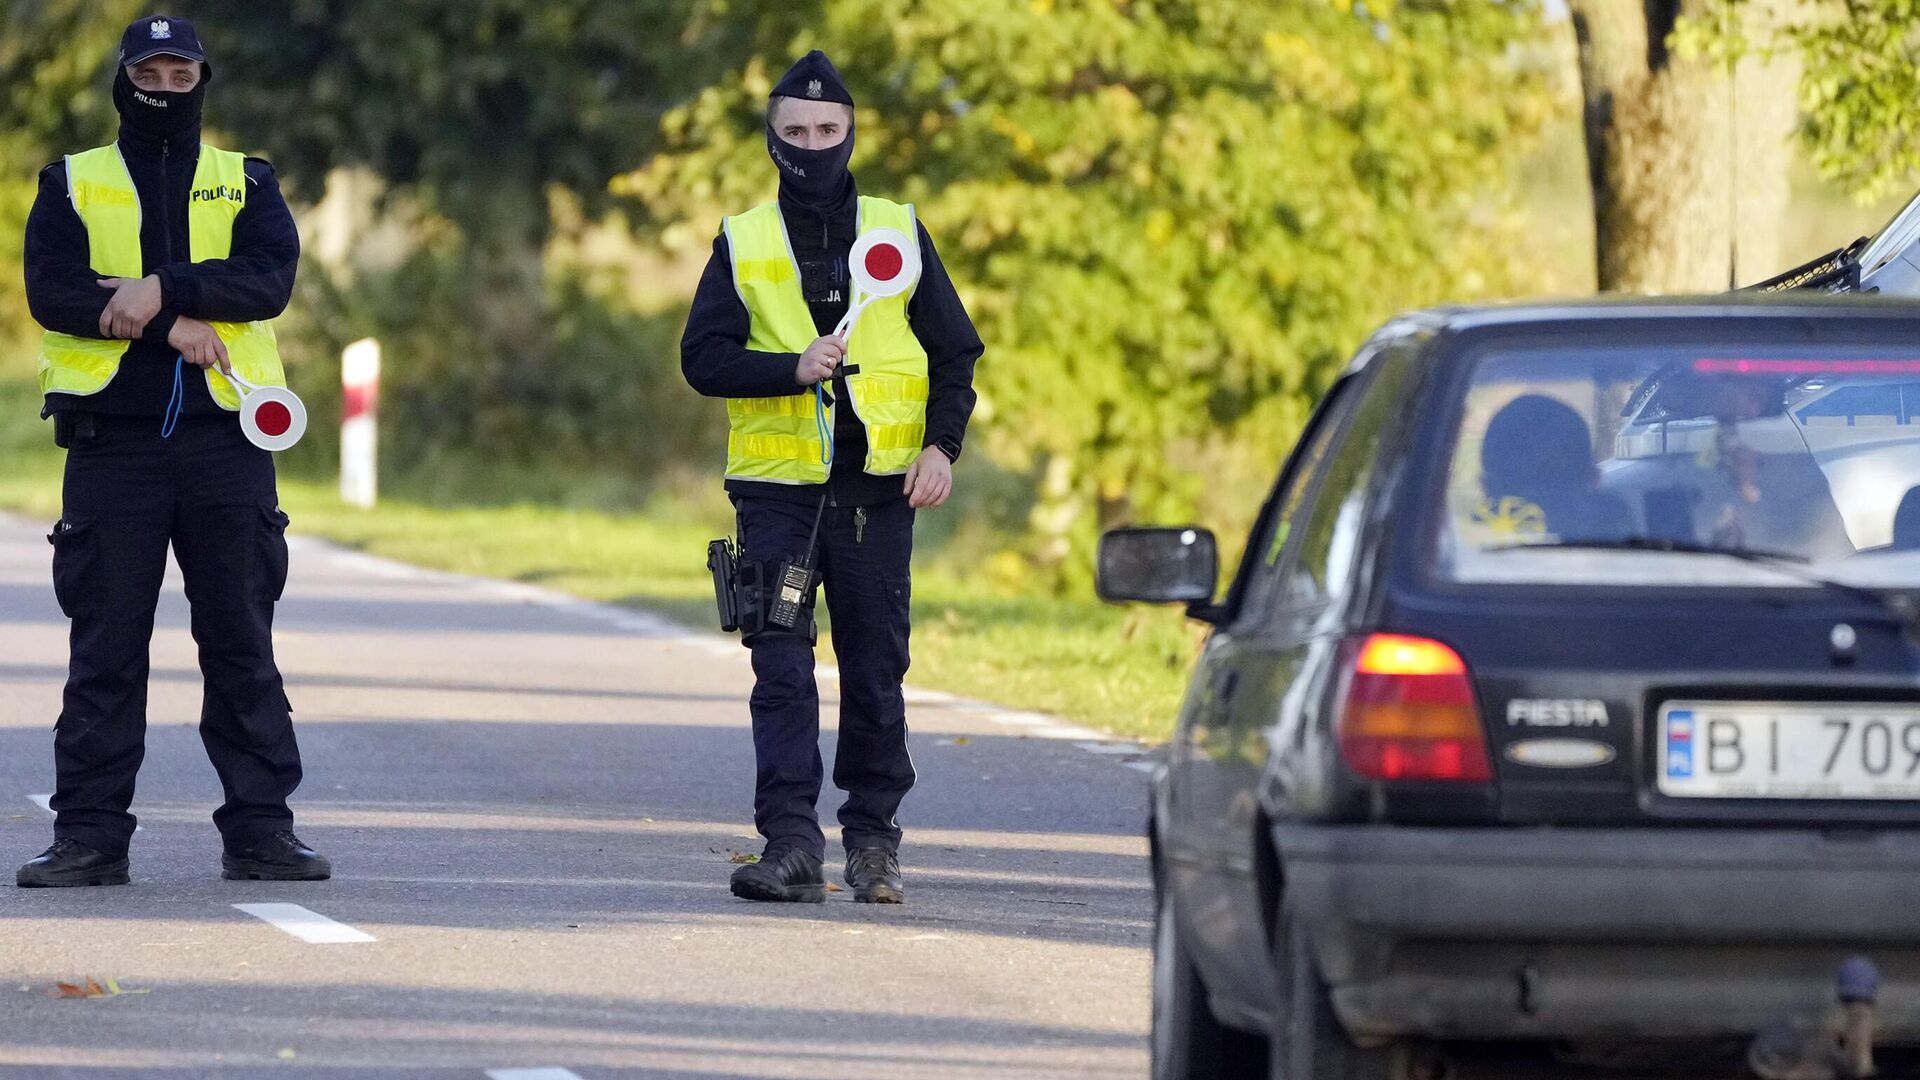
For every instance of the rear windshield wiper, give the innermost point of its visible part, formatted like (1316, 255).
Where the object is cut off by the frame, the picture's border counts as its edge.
(1656, 543)
(1900, 605)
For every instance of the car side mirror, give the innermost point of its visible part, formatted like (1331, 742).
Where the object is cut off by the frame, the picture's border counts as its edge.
(1158, 566)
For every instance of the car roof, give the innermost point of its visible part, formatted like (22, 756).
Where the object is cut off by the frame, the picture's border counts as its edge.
(1458, 324)
(1742, 307)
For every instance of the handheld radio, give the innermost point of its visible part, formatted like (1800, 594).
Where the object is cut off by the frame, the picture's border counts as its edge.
(796, 581)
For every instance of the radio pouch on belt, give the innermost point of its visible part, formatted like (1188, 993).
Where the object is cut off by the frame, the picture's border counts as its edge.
(749, 603)
(746, 600)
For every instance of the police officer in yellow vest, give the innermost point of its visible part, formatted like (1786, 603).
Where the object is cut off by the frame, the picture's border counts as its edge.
(154, 264)
(901, 392)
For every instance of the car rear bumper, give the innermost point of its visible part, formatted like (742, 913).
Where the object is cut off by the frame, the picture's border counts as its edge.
(1601, 933)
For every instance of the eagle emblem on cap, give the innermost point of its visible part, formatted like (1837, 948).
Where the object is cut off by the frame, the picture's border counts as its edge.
(160, 30)
(814, 89)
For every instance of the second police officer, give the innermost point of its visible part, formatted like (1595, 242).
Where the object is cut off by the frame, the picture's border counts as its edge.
(759, 335)
(153, 263)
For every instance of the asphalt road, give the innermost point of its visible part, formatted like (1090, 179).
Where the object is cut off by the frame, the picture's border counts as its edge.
(531, 804)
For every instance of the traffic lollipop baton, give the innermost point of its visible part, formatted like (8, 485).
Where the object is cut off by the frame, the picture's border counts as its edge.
(883, 263)
(272, 417)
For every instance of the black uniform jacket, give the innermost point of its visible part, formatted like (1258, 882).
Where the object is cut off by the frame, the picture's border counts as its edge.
(716, 361)
(254, 282)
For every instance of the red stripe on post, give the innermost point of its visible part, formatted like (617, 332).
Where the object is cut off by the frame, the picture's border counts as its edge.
(358, 400)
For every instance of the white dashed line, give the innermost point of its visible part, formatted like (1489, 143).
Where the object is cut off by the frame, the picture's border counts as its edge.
(532, 1074)
(309, 926)
(1141, 766)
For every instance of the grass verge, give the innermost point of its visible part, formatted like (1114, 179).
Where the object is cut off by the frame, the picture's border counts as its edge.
(1121, 670)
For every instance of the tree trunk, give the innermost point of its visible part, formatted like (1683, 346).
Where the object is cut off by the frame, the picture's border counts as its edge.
(506, 236)
(1688, 161)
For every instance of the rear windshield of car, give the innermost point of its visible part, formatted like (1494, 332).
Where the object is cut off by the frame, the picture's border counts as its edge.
(1606, 465)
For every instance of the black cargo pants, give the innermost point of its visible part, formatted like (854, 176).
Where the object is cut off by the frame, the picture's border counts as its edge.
(864, 556)
(210, 494)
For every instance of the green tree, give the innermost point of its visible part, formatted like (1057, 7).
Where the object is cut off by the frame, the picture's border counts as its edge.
(53, 56)
(1172, 219)
(479, 108)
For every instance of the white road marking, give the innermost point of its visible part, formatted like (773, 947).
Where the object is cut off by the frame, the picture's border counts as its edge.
(1115, 748)
(380, 568)
(532, 1074)
(45, 802)
(1061, 732)
(1140, 766)
(309, 926)
(648, 624)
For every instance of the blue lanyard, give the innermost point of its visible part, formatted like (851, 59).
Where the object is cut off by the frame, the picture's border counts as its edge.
(178, 402)
(821, 424)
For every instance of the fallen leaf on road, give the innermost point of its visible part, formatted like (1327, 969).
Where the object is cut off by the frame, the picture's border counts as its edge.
(91, 988)
(961, 740)
(831, 887)
(287, 1055)
(744, 857)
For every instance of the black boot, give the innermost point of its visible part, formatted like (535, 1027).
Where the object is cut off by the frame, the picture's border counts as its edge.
(280, 857)
(874, 875)
(69, 863)
(787, 874)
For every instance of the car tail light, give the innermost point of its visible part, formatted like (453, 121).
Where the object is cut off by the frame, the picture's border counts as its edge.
(1410, 713)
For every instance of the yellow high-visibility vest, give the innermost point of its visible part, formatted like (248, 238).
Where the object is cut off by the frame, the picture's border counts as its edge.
(777, 439)
(103, 195)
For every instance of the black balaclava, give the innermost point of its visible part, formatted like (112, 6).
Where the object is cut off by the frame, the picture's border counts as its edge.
(812, 177)
(160, 114)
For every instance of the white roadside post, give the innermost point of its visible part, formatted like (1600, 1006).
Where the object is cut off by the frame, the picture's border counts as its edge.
(359, 435)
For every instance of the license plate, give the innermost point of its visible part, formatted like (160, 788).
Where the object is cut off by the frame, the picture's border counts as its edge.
(1794, 750)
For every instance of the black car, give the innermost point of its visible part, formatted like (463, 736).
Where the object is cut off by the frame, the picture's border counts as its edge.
(1567, 695)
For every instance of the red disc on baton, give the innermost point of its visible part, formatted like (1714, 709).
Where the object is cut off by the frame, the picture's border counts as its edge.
(273, 419)
(884, 262)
